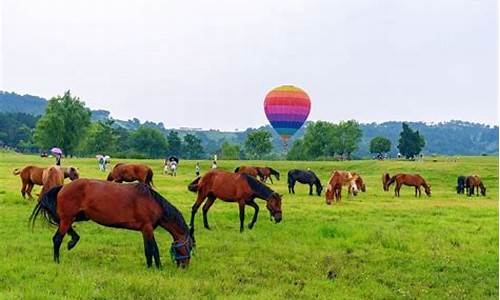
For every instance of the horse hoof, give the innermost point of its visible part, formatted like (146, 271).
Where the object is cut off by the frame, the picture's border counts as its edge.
(250, 226)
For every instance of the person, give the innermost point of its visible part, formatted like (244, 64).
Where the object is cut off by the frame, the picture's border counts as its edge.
(173, 167)
(197, 169)
(214, 165)
(101, 164)
(166, 166)
(58, 159)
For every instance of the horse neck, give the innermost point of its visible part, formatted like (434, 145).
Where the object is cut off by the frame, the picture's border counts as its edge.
(177, 231)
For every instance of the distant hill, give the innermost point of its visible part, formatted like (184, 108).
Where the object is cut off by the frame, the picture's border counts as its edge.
(448, 138)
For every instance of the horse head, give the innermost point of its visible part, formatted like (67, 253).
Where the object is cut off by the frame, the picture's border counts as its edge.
(427, 189)
(319, 187)
(329, 194)
(274, 206)
(483, 189)
(73, 173)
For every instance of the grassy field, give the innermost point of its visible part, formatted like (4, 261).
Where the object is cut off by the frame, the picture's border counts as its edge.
(374, 246)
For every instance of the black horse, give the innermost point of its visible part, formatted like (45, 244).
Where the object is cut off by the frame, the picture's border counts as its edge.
(461, 185)
(306, 177)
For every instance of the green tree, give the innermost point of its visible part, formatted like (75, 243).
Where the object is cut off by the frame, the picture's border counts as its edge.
(174, 143)
(229, 151)
(64, 124)
(320, 140)
(380, 145)
(411, 142)
(149, 141)
(297, 151)
(101, 138)
(192, 147)
(349, 135)
(258, 143)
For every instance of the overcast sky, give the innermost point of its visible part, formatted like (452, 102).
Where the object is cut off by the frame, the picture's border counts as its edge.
(210, 64)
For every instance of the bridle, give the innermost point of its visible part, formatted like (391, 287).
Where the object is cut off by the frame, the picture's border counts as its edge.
(176, 246)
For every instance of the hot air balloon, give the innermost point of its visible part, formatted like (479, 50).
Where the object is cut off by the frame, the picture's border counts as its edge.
(287, 108)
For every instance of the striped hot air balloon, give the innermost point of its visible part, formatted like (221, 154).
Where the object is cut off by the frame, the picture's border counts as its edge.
(287, 108)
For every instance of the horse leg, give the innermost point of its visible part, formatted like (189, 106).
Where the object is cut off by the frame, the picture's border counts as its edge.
(397, 189)
(29, 189)
(156, 253)
(57, 239)
(206, 207)
(310, 189)
(147, 235)
(23, 190)
(74, 238)
(256, 207)
(242, 214)
(195, 207)
(271, 179)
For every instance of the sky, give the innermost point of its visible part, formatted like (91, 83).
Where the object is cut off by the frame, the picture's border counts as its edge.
(209, 64)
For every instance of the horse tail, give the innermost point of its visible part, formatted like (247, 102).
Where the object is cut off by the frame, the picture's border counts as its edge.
(16, 172)
(237, 170)
(193, 186)
(149, 178)
(47, 205)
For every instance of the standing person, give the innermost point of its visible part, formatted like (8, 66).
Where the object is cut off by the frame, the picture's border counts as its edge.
(197, 169)
(58, 159)
(101, 164)
(214, 165)
(173, 167)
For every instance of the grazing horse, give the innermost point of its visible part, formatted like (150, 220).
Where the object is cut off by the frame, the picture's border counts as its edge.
(360, 184)
(51, 177)
(129, 206)
(461, 186)
(266, 173)
(474, 182)
(385, 180)
(410, 180)
(252, 171)
(305, 177)
(233, 187)
(32, 175)
(335, 183)
(131, 172)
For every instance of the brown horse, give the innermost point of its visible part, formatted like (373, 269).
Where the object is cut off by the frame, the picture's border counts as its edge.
(474, 182)
(233, 187)
(31, 175)
(360, 184)
(266, 173)
(129, 206)
(410, 180)
(51, 177)
(131, 172)
(335, 183)
(249, 170)
(385, 179)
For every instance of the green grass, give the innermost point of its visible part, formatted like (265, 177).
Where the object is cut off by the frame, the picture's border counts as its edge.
(375, 246)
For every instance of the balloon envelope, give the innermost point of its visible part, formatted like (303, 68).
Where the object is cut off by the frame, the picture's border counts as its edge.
(287, 108)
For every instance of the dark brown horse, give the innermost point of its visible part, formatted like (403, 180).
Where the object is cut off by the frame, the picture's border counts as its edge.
(266, 173)
(233, 187)
(32, 175)
(129, 206)
(385, 180)
(474, 182)
(51, 177)
(410, 180)
(131, 172)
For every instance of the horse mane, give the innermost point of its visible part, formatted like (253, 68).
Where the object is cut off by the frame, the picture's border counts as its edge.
(170, 212)
(258, 187)
(273, 171)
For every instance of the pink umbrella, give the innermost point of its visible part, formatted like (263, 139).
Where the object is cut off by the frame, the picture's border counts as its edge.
(56, 150)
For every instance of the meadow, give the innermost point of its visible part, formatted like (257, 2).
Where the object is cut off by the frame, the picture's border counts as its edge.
(373, 246)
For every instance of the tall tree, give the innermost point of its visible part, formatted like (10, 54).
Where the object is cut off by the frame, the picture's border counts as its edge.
(411, 142)
(297, 151)
(149, 141)
(192, 147)
(258, 143)
(320, 140)
(64, 124)
(229, 151)
(101, 138)
(174, 143)
(349, 136)
(380, 145)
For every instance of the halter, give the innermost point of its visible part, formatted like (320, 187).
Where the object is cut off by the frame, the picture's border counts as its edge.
(176, 246)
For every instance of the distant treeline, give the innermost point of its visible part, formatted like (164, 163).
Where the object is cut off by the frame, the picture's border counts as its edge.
(19, 115)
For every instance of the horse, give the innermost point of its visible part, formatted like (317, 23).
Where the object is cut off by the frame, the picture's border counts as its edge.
(305, 177)
(461, 186)
(129, 206)
(410, 180)
(233, 187)
(474, 182)
(249, 170)
(385, 179)
(51, 177)
(32, 175)
(131, 172)
(266, 173)
(335, 183)
(360, 184)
